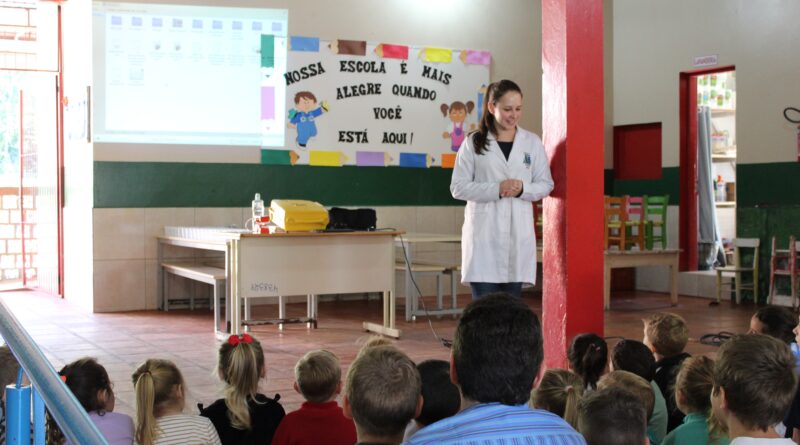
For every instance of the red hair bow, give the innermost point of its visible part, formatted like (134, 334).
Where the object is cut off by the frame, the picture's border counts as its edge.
(236, 339)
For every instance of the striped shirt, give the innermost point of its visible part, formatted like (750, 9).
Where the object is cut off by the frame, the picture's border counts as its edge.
(498, 424)
(185, 429)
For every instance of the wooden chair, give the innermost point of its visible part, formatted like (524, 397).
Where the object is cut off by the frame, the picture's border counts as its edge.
(636, 221)
(785, 263)
(655, 215)
(739, 268)
(617, 224)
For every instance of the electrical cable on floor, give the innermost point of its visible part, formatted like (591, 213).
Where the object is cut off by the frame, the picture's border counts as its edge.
(716, 339)
(445, 342)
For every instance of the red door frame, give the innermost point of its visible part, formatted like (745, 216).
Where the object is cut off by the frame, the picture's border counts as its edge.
(687, 215)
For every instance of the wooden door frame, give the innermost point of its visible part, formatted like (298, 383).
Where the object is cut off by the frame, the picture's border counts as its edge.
(687, 121)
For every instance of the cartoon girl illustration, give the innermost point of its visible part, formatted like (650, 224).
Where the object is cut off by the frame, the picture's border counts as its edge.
(458, 114)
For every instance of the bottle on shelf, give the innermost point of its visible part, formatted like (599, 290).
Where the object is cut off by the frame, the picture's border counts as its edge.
(719, 189)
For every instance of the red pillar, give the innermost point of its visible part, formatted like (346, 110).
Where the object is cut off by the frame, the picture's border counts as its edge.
(572, 102)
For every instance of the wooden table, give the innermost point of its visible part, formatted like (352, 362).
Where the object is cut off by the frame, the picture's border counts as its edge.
(304, 263)
(636, 258)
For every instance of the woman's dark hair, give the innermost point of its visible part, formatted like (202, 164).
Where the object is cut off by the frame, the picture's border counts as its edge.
(494, 92)
(588, 356)
(778, 322)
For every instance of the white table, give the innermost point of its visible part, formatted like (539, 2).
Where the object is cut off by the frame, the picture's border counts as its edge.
(302, 263)
(636, 258)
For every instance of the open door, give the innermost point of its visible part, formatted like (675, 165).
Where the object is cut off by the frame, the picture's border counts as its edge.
(693, 95)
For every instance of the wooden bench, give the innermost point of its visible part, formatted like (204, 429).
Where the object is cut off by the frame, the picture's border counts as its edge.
(438, 269)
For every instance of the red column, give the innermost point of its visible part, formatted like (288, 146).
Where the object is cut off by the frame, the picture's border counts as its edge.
(572, 102)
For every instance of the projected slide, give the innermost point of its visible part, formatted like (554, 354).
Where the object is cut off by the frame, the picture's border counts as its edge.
(173, 74)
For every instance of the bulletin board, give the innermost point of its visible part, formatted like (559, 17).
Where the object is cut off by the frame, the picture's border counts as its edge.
(367, 104)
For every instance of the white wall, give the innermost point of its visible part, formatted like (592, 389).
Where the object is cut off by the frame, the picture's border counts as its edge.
(655, 40)
(511, 31)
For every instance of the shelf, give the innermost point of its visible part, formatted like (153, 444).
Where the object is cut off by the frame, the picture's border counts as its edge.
(725, 203)
(723, 111)
(723, 158)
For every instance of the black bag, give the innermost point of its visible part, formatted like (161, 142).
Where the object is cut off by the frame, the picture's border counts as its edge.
(351, 219)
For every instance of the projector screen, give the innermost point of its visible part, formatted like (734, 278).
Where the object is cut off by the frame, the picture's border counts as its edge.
(169, 74)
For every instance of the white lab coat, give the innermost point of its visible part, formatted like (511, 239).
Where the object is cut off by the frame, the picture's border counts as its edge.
(498, 243)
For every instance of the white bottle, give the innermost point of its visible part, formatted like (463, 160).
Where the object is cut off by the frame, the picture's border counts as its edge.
(258, 208)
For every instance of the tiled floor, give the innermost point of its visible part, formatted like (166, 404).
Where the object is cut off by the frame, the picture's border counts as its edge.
(121, 341)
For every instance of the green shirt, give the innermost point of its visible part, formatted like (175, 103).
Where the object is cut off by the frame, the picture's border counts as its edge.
(657, 424)
(694, 431)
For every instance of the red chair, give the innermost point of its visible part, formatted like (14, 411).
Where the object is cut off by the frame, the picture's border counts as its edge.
(785, 263)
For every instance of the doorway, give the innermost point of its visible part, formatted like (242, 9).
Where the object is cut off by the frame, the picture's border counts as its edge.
(707, 217)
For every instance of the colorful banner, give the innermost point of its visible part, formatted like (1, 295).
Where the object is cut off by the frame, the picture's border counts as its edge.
(267, 50)
(476, 57)
(349, 47)
(267, 102)
(278, 157)
(415, 160)
(322, 158)
(440, 55)
(448, 160)
(372, 158)
(299, 43)
(389, 51)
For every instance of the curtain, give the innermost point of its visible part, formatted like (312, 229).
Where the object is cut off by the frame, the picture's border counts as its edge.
(709, 244)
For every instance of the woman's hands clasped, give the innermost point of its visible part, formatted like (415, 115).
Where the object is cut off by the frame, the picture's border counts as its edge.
(510, 188)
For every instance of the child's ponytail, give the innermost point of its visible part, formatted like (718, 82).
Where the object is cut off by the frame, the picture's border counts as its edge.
(241, 360)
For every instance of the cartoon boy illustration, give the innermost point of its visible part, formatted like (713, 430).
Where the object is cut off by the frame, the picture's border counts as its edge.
(303, 115)
(458, 114)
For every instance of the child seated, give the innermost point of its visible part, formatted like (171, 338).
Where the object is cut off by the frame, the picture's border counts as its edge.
(160, 400)
(637, 386)
(693, 395)
(612, 416)
(754, 383)
(666, 335)
(244, 416)
(89, 383)
(382, 394)
(559, 392)
(318, 377)
(588, 357)
(440, 397)
(633, 356)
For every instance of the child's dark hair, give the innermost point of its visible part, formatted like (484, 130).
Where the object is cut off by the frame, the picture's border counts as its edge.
(457, 105)
(494, 92)
(241, 360)
(86, 378)
(778, 322)
(588, 356)
(440, 397)
(634, 356)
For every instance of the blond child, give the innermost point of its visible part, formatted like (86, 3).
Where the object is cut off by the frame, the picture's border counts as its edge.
(693, 394)
(559, 391)
(244, 416)
(318, 378)
(666, 334)
(160, 400)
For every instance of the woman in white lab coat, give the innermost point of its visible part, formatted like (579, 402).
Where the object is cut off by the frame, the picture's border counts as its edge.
(500, 169)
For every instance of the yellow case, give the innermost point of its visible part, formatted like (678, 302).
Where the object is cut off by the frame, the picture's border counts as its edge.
(296, 215)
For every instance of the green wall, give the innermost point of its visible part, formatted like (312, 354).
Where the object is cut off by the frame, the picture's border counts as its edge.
(163, 184)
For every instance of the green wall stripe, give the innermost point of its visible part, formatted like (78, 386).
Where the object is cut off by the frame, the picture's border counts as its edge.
(768, 184)
(669, 184)
(162, 184)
